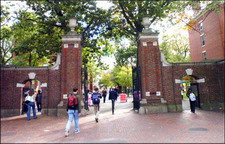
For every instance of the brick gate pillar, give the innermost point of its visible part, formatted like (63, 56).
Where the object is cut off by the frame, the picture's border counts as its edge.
(151, 72)
(71, 64)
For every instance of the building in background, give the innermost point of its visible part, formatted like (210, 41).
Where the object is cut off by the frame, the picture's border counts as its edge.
(207, 36)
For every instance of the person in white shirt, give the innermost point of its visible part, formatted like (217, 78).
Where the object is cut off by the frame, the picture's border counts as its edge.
(192, 99)
(30, 100)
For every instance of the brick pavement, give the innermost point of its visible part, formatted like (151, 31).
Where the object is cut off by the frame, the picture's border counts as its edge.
(126, 126)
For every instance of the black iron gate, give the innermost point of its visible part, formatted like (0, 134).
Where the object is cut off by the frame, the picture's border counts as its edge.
(136, 87)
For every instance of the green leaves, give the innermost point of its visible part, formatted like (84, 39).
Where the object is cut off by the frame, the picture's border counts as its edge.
(41, 30)
(119, 76)
(30, 59)
(6, 38)
(132, 11)
(4, 15)
(175, 48)
(126, 56)
(124, 77)
(32, 37)
(105, 80)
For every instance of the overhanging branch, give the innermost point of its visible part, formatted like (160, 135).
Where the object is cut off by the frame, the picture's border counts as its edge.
(126, 17)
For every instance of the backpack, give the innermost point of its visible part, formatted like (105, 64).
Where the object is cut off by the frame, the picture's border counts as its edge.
(95, 98)
(192, 97)
(72, 101)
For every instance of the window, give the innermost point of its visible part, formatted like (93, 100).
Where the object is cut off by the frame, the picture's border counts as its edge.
(204, 55)
(201, 26)
(203, 40)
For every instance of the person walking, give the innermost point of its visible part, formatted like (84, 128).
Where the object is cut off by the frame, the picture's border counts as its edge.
(30, 101)
(104, 93)
(38, 100)
(73, 110)
(113, 96)
(89, 98)
(96, 102)
(192, 99)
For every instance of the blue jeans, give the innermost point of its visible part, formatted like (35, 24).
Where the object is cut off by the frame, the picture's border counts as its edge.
(31, 105)
(73, 115)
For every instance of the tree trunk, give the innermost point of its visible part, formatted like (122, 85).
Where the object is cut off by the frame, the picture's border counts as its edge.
(85, 87)
(91, 82)
(30, 59)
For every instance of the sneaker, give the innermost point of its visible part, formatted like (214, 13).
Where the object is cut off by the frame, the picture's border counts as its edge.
(96, 119)
(66, 133)
(77, 131)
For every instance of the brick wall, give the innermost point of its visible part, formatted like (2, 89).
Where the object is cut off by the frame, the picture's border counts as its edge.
(159, 75)
(211, 92)
(11, 96)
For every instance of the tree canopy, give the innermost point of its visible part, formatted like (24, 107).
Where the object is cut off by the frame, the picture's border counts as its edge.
(118, 76)
(6, 38)
(133, 11)
(43, 27)
(175, 48)
(126, 56)
(35, 38)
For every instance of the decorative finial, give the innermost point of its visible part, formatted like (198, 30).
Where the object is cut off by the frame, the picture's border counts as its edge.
(146, 22)
(72, 23)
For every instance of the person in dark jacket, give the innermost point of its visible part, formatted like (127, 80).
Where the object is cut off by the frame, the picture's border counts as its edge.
(104, 93)
(38, 100)
(113, 96)
(192, 99)
(73, 113)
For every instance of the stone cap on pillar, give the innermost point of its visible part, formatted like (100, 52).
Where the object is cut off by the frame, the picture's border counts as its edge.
(71, 36)
(153, 36)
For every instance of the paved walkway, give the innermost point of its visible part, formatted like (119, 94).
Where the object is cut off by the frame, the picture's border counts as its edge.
(126, 126)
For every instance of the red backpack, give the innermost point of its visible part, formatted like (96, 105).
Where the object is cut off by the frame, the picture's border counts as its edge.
(72, 101)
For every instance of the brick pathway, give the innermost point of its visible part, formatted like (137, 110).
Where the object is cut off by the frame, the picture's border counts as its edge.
(126, 126)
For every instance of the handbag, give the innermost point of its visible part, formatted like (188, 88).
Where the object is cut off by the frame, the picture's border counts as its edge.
(24, 107)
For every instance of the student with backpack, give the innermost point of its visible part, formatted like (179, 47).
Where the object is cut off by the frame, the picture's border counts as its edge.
(73, 110)
(96, 101)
